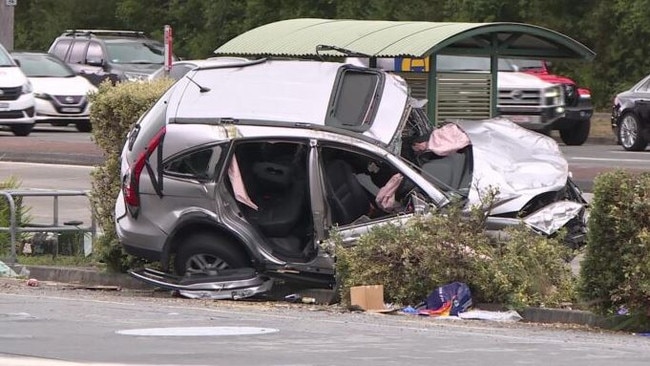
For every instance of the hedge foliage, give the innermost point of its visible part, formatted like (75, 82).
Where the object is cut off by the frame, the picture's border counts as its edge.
(411, 260)
(115, 111)
(615, 273)
(5, 215)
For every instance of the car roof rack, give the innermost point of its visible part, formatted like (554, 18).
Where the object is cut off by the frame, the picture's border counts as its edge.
(103, 32)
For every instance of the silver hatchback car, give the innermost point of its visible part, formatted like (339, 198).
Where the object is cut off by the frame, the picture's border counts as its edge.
(240, 172)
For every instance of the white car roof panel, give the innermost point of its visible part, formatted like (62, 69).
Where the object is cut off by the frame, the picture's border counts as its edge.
(287, 91)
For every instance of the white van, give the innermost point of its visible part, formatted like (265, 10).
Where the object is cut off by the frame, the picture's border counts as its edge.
(16, 97)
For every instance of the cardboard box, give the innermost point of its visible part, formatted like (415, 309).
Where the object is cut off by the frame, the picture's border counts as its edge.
(369, 298)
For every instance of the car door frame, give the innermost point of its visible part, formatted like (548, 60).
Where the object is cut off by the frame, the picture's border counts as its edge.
(349, 234)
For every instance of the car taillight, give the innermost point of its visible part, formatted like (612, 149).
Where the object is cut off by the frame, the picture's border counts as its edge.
(131, 186)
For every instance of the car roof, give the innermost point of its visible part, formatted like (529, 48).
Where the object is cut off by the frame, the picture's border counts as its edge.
(34, 53)
(292, 91)
(197, 63)
(41, 54)
(211, 61)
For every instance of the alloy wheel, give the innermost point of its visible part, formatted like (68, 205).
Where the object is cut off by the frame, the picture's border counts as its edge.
(205, 264)
(628, 131)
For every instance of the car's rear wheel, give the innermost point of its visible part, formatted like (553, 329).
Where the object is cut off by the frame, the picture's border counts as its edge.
(84, 126)
(629, 134)
(207, 254)
(577, 134)
(22, 130)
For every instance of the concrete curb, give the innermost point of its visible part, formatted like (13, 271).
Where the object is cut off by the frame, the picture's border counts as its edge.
(88, 277)
(82, 276)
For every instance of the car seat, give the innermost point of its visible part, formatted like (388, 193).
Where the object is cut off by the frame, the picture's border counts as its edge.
(281, 201)
(347, 198)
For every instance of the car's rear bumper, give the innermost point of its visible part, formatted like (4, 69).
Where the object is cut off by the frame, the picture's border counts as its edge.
(138, 236)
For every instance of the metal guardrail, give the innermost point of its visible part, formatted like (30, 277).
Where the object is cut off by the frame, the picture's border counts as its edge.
(14, 229)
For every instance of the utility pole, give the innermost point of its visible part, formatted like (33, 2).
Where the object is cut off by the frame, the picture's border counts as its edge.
(7, 23)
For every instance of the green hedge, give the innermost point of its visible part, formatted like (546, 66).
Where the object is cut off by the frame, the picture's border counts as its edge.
(615, 272)
(114, 111)
(522, 269)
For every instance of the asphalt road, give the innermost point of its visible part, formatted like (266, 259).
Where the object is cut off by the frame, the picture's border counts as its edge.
(39, 326)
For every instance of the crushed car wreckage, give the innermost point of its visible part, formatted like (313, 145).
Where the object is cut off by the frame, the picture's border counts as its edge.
(239, 173)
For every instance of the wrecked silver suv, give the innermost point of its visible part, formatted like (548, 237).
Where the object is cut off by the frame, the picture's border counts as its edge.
(240, 172)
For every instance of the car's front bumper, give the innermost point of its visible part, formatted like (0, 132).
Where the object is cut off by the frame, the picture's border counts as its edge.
(17, 112)
(48, 110)
(533, 118)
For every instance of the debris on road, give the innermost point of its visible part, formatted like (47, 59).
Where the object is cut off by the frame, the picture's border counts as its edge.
(32, 282)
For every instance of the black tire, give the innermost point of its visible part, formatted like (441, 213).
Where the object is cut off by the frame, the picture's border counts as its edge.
(629, 133)
(206, 254)
(577, 134)
(84, 126)
(22, 130)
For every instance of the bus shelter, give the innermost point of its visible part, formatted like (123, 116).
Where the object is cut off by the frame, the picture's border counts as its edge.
(412, 48)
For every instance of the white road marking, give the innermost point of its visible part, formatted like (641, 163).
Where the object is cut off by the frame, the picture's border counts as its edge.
(608, 159)
(30, 361)
(197, 331)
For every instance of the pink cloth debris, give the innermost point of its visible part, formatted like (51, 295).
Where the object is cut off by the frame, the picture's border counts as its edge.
(385, 198)
(444, 140)
(238, 184)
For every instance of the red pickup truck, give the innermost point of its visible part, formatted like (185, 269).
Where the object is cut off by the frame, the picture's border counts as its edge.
(575, 125)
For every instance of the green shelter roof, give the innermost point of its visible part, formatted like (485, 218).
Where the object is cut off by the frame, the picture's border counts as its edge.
(380, 38)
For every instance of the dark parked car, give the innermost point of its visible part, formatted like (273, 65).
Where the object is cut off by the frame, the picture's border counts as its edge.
(109, 54)
(631, 116)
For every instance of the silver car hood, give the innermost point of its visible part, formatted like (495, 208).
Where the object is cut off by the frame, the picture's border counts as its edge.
(519, 162)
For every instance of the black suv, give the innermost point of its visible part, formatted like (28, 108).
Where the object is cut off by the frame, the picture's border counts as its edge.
(109, 54)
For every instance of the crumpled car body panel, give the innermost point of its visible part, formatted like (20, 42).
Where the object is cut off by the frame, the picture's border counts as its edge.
(518, 162)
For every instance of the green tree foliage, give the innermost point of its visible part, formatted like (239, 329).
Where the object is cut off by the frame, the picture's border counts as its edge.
(615, 30)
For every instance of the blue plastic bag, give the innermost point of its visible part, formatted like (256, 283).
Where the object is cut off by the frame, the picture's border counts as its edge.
(456, 296)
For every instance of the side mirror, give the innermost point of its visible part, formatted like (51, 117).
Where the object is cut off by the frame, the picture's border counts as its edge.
(95, 62)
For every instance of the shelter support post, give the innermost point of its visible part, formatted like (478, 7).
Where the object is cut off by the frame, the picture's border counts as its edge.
(494, 76)
(432, 91)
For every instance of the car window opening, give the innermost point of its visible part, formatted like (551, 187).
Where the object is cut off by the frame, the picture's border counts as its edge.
(361, 189)
(355, 100)
(269, 182)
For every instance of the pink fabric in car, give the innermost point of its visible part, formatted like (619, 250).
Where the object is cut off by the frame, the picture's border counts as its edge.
(238, 184)
(386, 196)
(445, 140)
